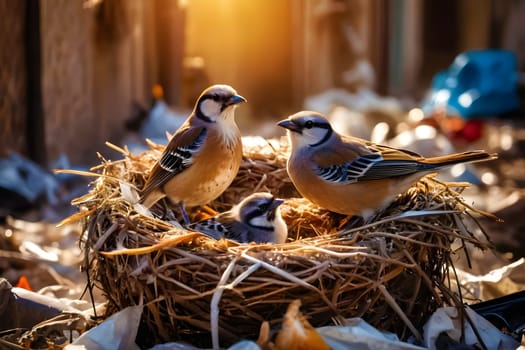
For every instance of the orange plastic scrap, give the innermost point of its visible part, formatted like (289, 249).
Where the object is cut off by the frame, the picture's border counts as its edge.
(264, 340)
(23, 283)
(297, 333)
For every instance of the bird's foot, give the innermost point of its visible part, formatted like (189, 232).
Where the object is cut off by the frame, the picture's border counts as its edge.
(184, 213)
(207, 210)
(205, 213)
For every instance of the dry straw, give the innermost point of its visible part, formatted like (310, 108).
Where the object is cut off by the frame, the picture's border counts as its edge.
(394, 271)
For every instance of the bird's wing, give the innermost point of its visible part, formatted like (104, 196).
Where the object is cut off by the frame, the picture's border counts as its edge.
(358, 160)
(238, 231)
(210, 227)
(234, 229)
(223, 225)
(390, 153)
(177, 156)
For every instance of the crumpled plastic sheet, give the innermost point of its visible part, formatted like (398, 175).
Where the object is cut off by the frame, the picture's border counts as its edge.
(161, 118)
(119, 332)
(358, 334)
(448, 320)
(26, 178)
(362, 100)
(485, 287)
(20, 308)
(116, 333)
(29, 180)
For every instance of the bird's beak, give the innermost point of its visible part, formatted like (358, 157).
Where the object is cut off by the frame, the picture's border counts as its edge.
(235, 99)
(273, 208)
(276, 202)
(290, 125)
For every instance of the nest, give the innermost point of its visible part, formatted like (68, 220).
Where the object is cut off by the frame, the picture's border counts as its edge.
(393, 271)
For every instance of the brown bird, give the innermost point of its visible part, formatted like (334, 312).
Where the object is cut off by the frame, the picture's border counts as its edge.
(352, 176)
(203, 156)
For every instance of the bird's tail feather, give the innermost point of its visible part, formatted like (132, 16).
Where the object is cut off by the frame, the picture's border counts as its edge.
(149, 198)
(456, 158)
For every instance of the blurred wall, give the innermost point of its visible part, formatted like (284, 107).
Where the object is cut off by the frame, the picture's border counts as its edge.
(98, 61)
(246, 44)
(453, 26)
(12, 77)
(70, 122)
(101, 57)
(93, 73)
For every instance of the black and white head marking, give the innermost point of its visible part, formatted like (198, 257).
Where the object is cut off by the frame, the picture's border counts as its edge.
(307, 129)
(215, 101)
(259, 210)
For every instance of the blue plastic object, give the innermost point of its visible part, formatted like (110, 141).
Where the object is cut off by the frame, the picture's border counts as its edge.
(479, 83)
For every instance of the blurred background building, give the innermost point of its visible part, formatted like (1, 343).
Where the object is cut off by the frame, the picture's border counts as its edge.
(73, 73)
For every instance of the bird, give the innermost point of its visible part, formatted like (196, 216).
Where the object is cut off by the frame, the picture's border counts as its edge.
(256, 218)
(352, 176)
(203, 156)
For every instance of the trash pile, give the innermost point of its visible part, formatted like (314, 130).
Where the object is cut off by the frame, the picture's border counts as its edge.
(35, 192)
(402, 281)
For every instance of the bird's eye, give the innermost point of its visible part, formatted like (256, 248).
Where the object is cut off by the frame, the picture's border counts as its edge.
(263, 207)
(215, 97)
(309, 124)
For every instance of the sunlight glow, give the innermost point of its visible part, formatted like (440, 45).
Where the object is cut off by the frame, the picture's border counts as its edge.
(416, 115)
(441, 97)
(506, 142)
(458, 169)
(488, 178)
(425, 132)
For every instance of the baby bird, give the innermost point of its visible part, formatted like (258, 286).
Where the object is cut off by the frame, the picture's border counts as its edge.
(351, 176)
(203, 156)
(255, 219)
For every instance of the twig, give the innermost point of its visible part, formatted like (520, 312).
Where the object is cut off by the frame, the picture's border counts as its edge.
(214, 305)
(392, 302)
